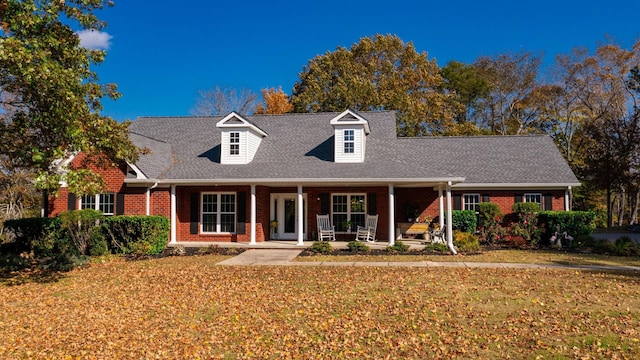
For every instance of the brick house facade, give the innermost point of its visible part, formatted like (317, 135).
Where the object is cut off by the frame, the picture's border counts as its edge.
(226, 179)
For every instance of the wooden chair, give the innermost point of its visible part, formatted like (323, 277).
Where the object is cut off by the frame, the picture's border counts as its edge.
(326, 231)
(368, 232)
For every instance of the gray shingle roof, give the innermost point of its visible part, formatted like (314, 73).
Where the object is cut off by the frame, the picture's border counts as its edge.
(300, 147)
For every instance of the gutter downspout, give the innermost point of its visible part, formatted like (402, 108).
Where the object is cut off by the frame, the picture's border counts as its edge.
(450, 221)
(148, 198)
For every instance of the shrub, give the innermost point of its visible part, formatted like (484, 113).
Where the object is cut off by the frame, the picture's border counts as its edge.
(575, 223)
(37, 235)
(624, 246)
(436, 247)
(398, 246)
(525, 207)
(321, 247)
(466, 242)
(356, 246)
(137, 234)
(489, 214)
(464, 220)
(78, 225)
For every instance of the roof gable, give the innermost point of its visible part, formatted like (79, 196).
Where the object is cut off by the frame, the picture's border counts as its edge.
(349, 118)
(236, 121)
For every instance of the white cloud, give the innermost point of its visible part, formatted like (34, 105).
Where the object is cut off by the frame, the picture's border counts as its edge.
(93, 39)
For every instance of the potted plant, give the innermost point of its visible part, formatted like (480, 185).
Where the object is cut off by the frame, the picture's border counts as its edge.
(274, 229)
(347, 225)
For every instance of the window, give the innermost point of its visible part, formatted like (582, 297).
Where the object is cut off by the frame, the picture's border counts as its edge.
(100, 202)
(349, 142)
(234, 143)
(348, 207)
(218, 213)
(535, 198)
(471, 201)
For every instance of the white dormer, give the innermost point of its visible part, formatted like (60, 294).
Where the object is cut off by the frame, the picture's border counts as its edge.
(240, 139)
(351, 132)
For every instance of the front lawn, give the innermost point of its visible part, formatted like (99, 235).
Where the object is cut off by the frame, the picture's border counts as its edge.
(189, 307)
(490, 256)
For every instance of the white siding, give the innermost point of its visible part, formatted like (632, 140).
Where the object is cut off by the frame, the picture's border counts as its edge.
(225, 157)
(359, 145)
(253, 142)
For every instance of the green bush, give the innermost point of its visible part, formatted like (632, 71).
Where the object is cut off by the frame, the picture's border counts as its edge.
(464, 220)
(466, 242)
(624, 246)
(398, 246)
(357, 246)
(133, 234)
(97, 243)
(489, 214)
(437, 248)
(77, 226)
(525, 207)
(37, 235)
(321, 247)
(575, 223)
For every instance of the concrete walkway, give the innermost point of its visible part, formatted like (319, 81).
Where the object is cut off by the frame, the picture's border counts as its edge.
(258, 257)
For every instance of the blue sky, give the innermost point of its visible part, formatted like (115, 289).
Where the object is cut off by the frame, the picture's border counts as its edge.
(160, 53)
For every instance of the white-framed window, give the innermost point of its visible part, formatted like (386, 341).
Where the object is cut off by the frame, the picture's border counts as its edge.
(349, 141)
(234, 143)
(471, 201)
(218, 213)
(100, 202)
(348, 207)
(533, 197)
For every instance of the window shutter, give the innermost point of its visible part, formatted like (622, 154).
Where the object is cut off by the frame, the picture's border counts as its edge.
(518, 198)
(485, 198)
(325, 204)
(194, 216)
(120, 204)
(372, 206)
(242, 206)
(457, 202)
(548, 202)
(45, 203)
(71, 201)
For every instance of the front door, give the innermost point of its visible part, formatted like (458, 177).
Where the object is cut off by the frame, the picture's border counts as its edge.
(284, 210)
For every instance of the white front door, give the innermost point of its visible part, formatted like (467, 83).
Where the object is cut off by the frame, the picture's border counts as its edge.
(284, 209)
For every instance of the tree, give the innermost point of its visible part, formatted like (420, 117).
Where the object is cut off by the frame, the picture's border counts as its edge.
(50, 97)
(469, 86)
(509, 107)
(276, 102)
(221, 101)
(378, 73)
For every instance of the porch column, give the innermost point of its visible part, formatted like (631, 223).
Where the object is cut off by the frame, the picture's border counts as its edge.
(173, 215)
(300, 215)
(252, 235)
(392, 216)
(449, 220)
(567, 204)
(441, 208)
(147, 198)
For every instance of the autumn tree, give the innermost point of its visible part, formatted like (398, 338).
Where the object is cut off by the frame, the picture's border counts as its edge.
(465, 81)
(222, 101)
(509, 107)
(50, 97)
(275, 102)
(378, 73)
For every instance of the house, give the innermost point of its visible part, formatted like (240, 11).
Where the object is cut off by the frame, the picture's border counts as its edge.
(226, 178)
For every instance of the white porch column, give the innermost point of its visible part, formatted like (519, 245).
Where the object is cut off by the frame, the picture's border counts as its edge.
(148, 202)
(450, 220)
(300, 208)
(441, 208)
(173, 215)
(567, 204)
(252, 235)
(392, 216)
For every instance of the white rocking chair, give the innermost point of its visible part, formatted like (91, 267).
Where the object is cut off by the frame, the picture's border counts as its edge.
(326, 231)
(368, 232)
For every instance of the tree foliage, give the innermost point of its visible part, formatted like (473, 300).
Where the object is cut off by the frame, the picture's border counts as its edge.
(275, 102)
(50, 97)
(379, 72)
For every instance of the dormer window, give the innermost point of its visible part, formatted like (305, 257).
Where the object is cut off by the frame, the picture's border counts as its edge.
(349, 142)
(234, 143)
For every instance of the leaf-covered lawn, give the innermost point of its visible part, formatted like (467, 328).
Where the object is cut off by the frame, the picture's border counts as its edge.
(493, 256)
(188, 307)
